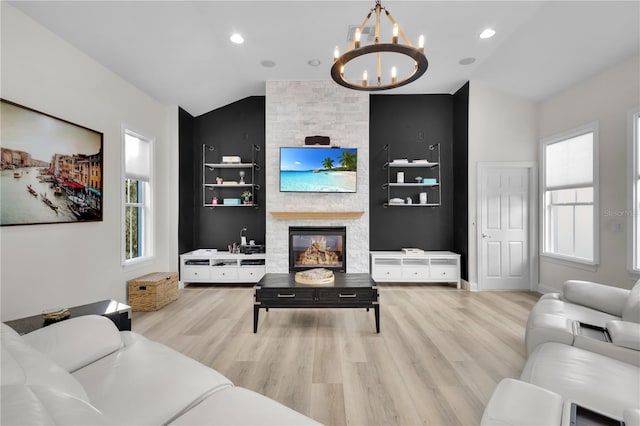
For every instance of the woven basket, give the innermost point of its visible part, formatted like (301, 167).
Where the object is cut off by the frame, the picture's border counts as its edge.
(153, 291)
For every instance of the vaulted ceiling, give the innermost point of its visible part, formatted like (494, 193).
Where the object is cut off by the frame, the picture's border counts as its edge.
(179, 52)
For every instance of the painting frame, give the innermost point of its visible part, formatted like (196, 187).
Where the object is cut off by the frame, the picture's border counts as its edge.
(51, 169)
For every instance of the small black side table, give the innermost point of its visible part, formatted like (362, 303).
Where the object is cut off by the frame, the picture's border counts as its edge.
(117, 312)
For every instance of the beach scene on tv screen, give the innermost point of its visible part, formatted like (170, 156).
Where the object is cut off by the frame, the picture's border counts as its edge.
(318, 169)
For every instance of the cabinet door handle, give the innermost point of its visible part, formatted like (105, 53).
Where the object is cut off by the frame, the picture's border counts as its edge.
(346, 295)
(286, 295)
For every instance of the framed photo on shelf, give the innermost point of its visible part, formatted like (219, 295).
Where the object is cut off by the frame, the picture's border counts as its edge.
(50, 169)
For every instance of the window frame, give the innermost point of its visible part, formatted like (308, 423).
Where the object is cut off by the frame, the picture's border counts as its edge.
(148, 204)
(633, 186)
(571, 261)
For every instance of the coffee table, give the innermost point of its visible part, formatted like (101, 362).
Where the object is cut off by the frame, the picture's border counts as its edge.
(348, 291)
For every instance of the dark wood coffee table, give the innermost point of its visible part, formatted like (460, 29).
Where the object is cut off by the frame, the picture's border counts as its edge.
(348, 291)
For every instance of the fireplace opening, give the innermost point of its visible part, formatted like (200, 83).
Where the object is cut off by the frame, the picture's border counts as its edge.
(317, 247)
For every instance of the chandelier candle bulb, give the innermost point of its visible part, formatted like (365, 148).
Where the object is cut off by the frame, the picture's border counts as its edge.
(394, 75)
(336, 53)
(357, 38)
(394, 39)
(421, 43)
(365, 78)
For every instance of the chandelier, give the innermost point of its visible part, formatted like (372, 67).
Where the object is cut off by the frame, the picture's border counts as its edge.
(371, 56)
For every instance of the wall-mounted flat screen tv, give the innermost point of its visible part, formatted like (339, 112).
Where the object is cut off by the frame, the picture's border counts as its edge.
(318, 169)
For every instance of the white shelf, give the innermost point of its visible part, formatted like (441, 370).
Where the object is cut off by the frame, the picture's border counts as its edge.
(229, 165)
(413, 184)
(210, 188)
(405, 165)
(412, 178)
(410, 205)
(229, 205)
(228, 185)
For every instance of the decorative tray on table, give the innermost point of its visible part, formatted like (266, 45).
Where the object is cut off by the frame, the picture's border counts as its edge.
(315, 277)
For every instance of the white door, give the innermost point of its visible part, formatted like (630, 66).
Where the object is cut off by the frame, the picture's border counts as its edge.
(503, 255)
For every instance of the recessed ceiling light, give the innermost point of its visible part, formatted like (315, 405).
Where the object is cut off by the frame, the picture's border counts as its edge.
(267, 63)
(314, 62)
(488, 33)
(237, 38)
(467, 61)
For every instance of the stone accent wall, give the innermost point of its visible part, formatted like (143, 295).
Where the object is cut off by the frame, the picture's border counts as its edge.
(295, 109)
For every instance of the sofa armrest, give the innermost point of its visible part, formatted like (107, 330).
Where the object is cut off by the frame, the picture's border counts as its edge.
(625, 334)
(596, 296)
(76, 342)
(515, 402)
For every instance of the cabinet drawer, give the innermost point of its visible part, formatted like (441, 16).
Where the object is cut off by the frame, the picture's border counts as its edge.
(224, 274)
(387, 273)
(445, 273)
(347, 295)
(250, 274)
(285, 294)
(415, 273)
(195, 273)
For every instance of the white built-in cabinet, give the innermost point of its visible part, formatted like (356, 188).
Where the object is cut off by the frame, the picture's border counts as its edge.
(212, 266)
(426, 267)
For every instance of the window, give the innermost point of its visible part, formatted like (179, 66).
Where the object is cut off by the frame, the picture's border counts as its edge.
(138, 195)
(633, 213)
(570, 195)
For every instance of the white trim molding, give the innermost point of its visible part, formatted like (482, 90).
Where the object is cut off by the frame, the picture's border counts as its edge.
(633, 171)
(570, 261)
(532, 167)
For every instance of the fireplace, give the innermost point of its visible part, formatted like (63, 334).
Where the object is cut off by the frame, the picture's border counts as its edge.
(317, 247)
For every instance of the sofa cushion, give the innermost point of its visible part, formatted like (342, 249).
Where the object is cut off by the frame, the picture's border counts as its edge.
(146, 383)
(23, 365)
(76, 342)
(592, 380)
(43, 405)
(631, 312)
(231, 408)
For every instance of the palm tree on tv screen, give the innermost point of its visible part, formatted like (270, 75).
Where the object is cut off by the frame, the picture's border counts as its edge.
(348, 160)
(327, 163)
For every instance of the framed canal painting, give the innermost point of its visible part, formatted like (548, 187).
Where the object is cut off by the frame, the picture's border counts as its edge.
(50, 169)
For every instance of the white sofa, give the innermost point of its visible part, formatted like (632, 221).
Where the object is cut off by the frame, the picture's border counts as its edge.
(574, 317)
(557, 375)
(83, 371)
(584, 352)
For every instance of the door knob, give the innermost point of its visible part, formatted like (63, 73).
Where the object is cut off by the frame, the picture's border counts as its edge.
(485, 235)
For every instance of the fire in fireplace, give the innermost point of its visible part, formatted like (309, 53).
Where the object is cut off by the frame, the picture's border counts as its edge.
(317, 247)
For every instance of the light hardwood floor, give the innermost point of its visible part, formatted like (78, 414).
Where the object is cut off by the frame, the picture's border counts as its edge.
(436, 361)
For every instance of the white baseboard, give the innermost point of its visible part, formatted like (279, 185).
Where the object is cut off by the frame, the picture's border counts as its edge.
(546, 289)
(469, 285)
